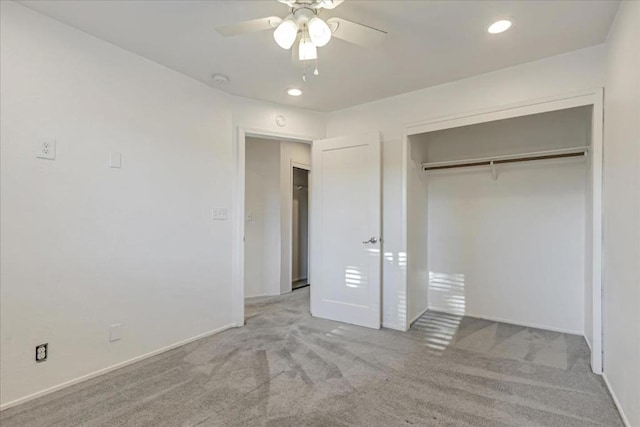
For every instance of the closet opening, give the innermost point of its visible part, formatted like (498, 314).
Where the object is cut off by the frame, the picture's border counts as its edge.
(300, 227)
(502, 217)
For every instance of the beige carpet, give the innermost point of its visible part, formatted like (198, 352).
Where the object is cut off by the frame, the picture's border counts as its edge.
(285, 368)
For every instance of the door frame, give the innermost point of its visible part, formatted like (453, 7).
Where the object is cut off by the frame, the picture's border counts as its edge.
(238, 212)
(593, 97)
(293, 164)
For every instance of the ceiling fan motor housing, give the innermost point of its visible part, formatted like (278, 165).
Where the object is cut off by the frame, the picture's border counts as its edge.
(312, 4)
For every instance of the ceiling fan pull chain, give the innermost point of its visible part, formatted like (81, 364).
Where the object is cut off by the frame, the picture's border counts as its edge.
(304, 71)
(316, 72)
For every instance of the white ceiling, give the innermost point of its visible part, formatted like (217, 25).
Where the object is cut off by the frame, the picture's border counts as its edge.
(429, 42)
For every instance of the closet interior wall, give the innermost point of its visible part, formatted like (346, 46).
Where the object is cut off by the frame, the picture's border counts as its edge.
(510, 247)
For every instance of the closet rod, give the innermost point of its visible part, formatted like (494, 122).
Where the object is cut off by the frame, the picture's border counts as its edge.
(558, 154)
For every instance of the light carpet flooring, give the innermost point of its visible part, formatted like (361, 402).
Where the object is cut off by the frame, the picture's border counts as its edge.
(285, 368)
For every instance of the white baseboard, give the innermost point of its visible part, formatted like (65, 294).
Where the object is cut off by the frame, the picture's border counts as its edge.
(393, 326)
(513, 322)
(111, 368)
(625, 420)
(266, 295)
(418, 316)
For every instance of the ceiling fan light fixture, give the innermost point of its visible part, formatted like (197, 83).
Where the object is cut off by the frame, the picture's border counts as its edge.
(286, 33)
(319, 31)
(307, 50)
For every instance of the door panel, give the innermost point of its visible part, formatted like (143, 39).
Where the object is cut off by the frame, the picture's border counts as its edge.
(346, 213)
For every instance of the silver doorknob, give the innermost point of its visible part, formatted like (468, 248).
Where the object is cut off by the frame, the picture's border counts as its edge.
(371, 240)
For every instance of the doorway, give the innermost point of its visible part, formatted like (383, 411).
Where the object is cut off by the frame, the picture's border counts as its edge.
(276, 215)
(344, 267)
(300, 227)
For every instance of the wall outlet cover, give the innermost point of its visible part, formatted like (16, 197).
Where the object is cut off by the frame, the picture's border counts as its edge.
(42, 352)
(46, 149)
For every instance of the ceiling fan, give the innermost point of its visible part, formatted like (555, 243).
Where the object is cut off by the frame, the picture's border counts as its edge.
(305, 31)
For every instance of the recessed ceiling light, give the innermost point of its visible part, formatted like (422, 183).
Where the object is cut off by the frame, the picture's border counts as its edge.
(294, 92)
(499, 26)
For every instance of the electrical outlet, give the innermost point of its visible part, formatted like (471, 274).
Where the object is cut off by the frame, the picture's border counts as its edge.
(42, 351)
(46, 149)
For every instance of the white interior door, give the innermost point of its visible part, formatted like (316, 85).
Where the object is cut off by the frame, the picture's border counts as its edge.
(346, 229)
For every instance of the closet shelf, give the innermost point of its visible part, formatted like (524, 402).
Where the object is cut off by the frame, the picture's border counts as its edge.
(512, 158)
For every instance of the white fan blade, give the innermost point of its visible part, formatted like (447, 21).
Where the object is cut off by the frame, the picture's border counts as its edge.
(247, 27)
(330, 4)
(356, 33)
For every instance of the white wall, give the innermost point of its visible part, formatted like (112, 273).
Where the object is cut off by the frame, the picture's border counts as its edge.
(262, 217)
(554, 130)
(289, 152)
(621, 281)
(512, 249)
(85, 246)
(258, 117)
(562, 74)
(588, 256)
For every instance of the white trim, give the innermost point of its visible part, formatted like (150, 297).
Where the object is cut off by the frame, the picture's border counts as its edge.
(237, 243)
(588, 342)
(511, 322)
(393, 326)
(280, 136)
(418, 316)
(592, 97)
(294, 164)
(490, 114)
(596, 158)
(404, 242)
(300, 165)
(112, 368)
(625, 420)
(265, 295)
(237, 276)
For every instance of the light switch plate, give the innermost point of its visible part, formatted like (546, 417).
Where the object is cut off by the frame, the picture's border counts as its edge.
(115, 332)
(219, 213)
(46, 149)
(115, 160)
